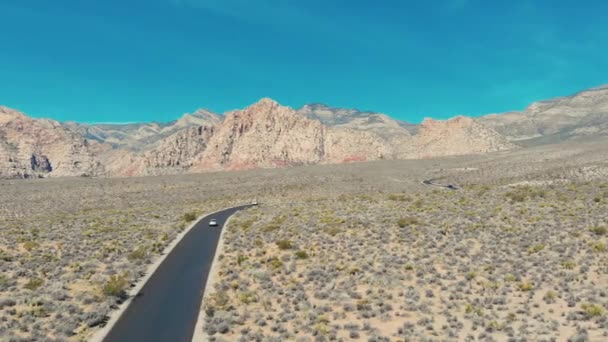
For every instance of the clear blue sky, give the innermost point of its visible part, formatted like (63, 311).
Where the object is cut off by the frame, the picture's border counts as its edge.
(129, 60)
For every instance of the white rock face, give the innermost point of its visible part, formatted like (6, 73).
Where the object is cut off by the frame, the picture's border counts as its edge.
(563, 118)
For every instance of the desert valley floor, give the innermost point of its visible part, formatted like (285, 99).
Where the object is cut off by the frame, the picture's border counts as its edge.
(360, 251)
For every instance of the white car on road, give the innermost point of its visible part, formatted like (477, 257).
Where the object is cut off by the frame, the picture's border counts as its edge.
(212, 223)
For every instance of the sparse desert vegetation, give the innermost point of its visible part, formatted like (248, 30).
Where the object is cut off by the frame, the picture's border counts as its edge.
(357, 251)
(461, 266)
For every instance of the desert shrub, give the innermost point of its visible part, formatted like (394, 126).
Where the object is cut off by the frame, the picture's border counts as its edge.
(568, 264)
(248, 297)
(115, 286)
(332, 230)
(550, 296)
(30, 245)
(398, 197)
(138, 254)
(241, 259)
(216, 301)
(189, 217)
(516, 196)
(33, 283)
(592, 310)
(275, 263)
(536, 248)
(407, 221)
(525, 286)
(245, 225)
(284, 244)
(301, 254)
(472, 309)
(598, 230)
(5, 256)
(270, 228)
(598, 247)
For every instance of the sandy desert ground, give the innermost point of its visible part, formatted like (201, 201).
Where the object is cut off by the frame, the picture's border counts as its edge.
(336, 252)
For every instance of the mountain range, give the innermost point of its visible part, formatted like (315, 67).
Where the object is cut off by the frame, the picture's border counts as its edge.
(267, 134)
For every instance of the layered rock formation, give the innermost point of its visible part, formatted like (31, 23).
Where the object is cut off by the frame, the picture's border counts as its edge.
(580, 115)
(456, 136)
(32, 148)
(267, 135)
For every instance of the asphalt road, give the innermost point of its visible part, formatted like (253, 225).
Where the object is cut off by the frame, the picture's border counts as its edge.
(167, 307)
(432, 183)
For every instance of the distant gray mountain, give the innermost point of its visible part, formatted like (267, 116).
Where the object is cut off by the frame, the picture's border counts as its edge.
(377, 123)
(142, 136)
(582, 115)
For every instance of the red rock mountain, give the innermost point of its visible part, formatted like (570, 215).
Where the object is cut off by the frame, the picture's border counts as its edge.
(31, 148)
(264, 135)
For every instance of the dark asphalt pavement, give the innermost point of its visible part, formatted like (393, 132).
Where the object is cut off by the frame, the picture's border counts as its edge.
(432, 183)
(167, 307)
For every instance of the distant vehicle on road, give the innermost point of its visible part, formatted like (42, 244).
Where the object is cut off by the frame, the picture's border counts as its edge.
(451, 187)
(255, 202)
(212, 223)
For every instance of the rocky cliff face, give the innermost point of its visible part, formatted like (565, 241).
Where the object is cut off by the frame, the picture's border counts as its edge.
(267, 134)
(456, 136)
(264, 135)
(32, 148)
(582, 114)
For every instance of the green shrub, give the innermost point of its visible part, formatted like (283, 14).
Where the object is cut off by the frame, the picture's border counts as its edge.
(568, 264)
(598, 247)
(217, 301)
(592, 310)
(598, 230)
(245, 225)
(301, 255)
(138, 254)
(248, 297)
(189, 217)
(33, 284)
(30, 245)
(536, 248)
(115, 286)
(399, 197)
(407, 221)
(240, 259)
(472, 309)
(526, 286)
(333, 230)
(275, 263)
(270, 228)
(550, 296)
(5, 256)
(284, 244)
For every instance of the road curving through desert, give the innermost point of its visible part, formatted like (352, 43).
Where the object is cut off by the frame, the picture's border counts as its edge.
(431, 182)
(167, 306)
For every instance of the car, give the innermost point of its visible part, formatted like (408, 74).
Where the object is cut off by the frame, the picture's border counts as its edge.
(212, 223)
(255, 202)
